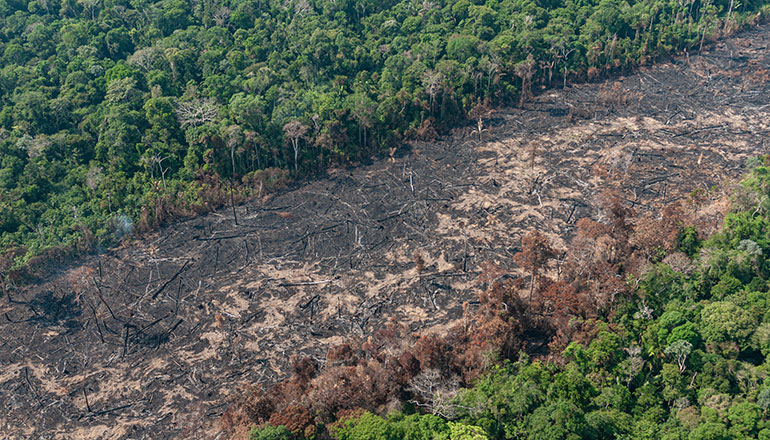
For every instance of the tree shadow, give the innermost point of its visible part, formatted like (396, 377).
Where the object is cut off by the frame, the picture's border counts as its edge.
(50, 309)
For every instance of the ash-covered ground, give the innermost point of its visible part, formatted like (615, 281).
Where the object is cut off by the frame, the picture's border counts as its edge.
(150, 340)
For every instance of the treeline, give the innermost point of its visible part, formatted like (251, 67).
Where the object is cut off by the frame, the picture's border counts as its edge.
(658, 328)
(121, 114)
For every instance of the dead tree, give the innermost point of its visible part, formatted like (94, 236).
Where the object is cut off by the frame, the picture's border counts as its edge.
(432, 81)
(525, 70)
(435, 392)
(479, 112)
(295, 131)
(144, 58)
(196, 112)
(535, 253)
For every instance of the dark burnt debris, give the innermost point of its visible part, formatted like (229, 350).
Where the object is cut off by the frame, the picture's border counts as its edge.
(154, 337)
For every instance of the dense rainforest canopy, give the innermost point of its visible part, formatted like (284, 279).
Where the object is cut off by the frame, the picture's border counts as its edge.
(121, 114)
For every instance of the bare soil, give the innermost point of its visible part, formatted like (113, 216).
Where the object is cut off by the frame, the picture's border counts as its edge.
(150, 340)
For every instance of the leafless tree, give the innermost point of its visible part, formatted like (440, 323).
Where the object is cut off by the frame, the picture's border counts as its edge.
(679, 350)
(564, 53)
(490, 66)
(479, 112)
(234, 136)
(159, 160)
(479, 127)
(728, 23)
(432, 81)
(151, 161)
(435, 392)
(94, 177)
(427, 6)
(196, 112)
(302, 7)
(222, 16)
(144, 58)
(295, 131)
(36, 146)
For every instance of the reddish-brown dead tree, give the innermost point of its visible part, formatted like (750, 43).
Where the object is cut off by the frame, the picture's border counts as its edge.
(296, 419)
(535, 253)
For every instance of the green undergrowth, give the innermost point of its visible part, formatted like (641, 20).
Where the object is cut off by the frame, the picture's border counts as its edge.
(685, 357)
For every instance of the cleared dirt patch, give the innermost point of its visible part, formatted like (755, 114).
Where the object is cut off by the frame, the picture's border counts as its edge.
(149, 340)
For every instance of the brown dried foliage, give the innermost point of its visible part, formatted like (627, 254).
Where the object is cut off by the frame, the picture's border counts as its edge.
(296, 419)
(425, 132)
(654, 236)
(371, 374)
(615, 96)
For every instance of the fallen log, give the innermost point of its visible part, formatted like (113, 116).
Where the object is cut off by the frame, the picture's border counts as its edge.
(184, 266)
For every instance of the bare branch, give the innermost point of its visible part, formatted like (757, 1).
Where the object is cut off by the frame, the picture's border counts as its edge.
(435, 392)
(196, 112)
